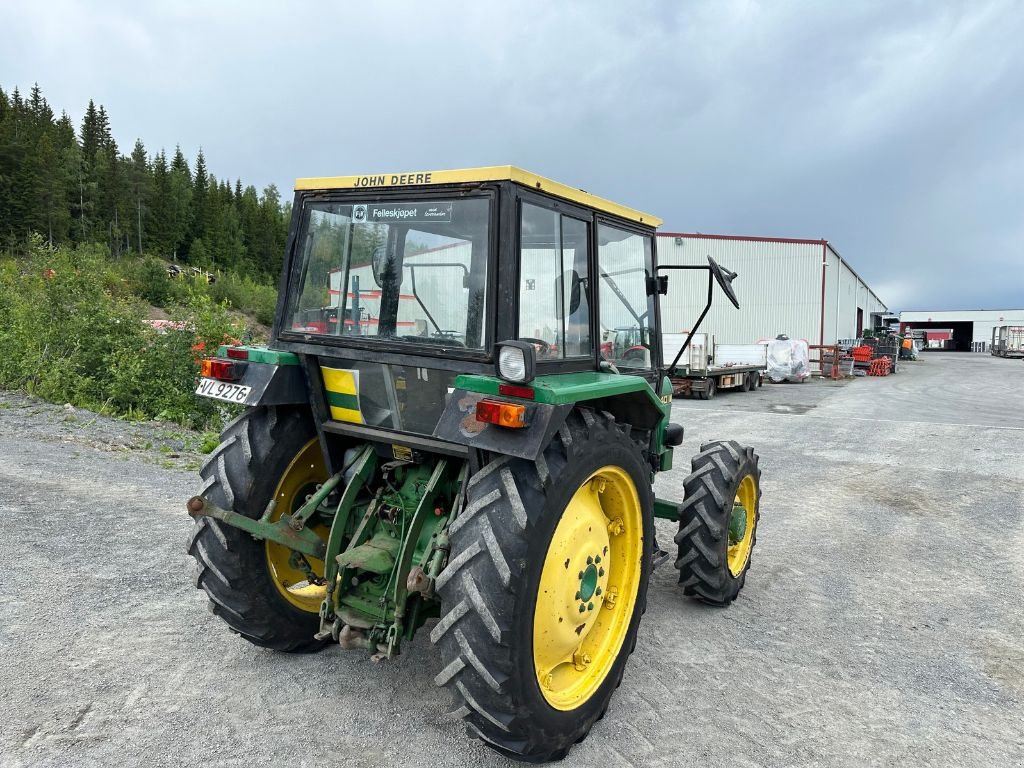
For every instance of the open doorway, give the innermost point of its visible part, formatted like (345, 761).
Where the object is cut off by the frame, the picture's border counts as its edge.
(962, 332)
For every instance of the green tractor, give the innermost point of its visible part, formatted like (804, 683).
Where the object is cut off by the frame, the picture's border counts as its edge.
(436, 437)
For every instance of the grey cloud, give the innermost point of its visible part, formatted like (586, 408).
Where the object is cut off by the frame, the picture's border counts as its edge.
(892, 129)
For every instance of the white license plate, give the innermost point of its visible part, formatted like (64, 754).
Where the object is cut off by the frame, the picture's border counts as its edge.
(223, 390)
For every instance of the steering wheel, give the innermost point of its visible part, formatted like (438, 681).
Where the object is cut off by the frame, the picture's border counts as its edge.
(544, 346)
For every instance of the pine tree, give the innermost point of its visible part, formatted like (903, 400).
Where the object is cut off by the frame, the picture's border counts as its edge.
(141, 183)
(200, 201)
(90, 133)
(158, 216)
(49, 204)
(7, 160)
(79, 191)
(180, 204)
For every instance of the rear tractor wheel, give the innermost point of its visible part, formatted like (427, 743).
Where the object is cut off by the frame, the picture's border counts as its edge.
(264, 592)
(544, 589)
(718, 522)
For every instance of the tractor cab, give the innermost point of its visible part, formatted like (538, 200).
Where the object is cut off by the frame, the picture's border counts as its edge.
(399, 283)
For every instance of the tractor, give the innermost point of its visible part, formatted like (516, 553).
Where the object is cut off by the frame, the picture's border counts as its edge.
(436, 437)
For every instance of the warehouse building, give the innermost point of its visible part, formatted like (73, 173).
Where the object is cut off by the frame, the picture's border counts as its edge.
(802, 288)
(971, 328)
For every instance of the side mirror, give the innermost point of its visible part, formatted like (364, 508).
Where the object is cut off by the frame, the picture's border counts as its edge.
(724, 278)
(574, 293)
(385, 269)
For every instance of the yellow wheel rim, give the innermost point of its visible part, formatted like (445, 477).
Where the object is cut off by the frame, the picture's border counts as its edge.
(588, 588)
(741, 527)
(299, 480)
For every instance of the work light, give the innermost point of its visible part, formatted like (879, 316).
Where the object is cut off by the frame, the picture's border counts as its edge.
(516, 361)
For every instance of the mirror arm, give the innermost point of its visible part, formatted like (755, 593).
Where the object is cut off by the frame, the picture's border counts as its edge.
(707, 307)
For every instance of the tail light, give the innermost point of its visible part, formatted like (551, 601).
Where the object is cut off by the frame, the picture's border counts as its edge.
(225, 370)
(238, 353)
(502, 414)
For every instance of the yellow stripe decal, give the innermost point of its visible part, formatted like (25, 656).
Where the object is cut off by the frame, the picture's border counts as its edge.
(489, 173)
(342, 387)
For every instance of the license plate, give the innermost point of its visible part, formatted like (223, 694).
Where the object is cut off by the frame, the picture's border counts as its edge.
(223, 390)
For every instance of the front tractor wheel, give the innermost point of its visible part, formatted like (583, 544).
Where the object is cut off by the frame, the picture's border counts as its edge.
(545, 587)
(718, 522)
(262, 590)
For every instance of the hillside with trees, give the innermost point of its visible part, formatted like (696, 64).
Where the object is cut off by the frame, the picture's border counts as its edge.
(89, 312)
(77, 187)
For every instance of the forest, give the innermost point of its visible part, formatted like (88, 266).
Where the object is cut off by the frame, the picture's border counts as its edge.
(77, 187)
(89, 314)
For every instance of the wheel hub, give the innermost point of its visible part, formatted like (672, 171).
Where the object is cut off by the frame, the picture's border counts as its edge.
(588, 580)
(741, 525)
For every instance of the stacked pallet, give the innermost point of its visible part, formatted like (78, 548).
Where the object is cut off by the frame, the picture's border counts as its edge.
(881, 366)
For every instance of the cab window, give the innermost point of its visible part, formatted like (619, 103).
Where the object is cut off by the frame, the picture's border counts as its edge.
(625, 262)
(554, 290)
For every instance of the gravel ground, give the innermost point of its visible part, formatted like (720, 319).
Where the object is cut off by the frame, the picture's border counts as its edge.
(881, 624)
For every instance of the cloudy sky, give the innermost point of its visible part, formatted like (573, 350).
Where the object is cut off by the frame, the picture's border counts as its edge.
(894, 130)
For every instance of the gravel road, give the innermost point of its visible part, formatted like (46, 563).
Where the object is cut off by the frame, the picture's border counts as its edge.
(882, 623)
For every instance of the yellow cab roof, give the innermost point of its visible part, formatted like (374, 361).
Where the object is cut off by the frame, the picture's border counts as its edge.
(490, 173)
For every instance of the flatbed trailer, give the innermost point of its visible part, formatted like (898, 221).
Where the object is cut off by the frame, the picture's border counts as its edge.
(1008, 341)
(708, 367)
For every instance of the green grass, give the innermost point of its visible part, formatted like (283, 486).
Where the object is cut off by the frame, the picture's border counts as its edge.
(73, 330)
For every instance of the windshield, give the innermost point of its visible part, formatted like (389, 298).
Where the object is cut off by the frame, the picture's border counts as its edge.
(412, 271)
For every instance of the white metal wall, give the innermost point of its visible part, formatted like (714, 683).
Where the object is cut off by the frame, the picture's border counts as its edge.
(843, 296)
(778, 287)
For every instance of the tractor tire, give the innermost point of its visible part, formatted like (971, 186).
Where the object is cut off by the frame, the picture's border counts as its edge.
(232, 567)
(713, 557)
(508, 611)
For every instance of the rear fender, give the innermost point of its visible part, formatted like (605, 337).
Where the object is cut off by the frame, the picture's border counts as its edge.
(630, 399)
(274, 385)
(458, 425)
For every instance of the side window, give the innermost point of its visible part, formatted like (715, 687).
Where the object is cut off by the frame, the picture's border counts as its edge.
(627, 312)
(554, 304)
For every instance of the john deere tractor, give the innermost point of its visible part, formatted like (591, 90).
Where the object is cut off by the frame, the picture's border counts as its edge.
(436, 437)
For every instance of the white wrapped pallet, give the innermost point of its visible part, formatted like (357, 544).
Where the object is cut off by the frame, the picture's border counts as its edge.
(788, 360)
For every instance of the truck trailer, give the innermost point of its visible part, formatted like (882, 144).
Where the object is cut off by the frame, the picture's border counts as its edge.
(707, 367)
(1008, 341)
